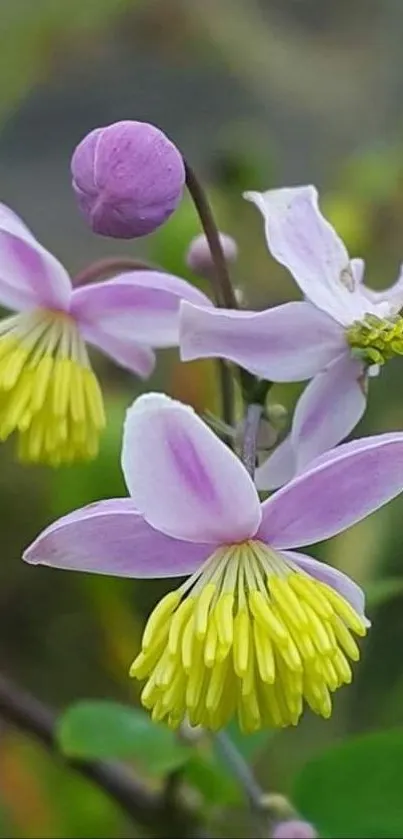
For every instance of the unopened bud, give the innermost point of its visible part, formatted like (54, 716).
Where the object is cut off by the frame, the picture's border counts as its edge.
(294, 829)
(199, 258)
(128, 178)
(277, 414)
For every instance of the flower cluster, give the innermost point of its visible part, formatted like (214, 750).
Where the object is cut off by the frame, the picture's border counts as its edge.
(257, 629)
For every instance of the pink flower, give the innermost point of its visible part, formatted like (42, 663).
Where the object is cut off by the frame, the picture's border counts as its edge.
(48, 391)
(340, 331)
(258, 629)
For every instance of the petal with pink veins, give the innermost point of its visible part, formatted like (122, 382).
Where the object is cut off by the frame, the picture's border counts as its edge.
(302, 240)
(111, 537)
(183, 478)
(140, 306)
(285, 344)
(338, 490)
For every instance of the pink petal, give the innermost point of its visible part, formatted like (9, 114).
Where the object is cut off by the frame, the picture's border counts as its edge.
(301, 239)
(279, 467)
(126, 352)
(343, 584)
(285, 344)
(141, 306)
(111, 537)
(330, 407)
(29, 275)
(391, 296)
(336, 491)
(183, 479)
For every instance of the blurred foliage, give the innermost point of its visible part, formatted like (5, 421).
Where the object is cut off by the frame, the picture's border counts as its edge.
(355, 789)
(68, 636)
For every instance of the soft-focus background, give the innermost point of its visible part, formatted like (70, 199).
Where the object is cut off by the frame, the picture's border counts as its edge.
(257, 93)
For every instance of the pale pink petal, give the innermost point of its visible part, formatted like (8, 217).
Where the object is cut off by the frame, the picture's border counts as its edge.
(343, 584)
(140, 305)
(183, 479)
(330, 407)
(285, 344)
(111, 537)
(392, 296)
(301, 239)
(335, 492)
(29, 275)
(358, 269)
(127, 352)
(279, 467)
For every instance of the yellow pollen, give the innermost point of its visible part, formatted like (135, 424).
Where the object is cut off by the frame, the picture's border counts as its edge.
(249, 634)
(376, 340)
(49, 394)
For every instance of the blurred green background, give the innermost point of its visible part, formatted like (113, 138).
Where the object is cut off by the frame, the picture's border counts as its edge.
(256, 94)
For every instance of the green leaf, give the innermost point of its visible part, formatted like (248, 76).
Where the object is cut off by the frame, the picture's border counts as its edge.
(380, 591)
(102, 729)
(355, 789)
(205, 772)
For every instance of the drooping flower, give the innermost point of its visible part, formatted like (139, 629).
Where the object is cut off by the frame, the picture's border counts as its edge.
(258, 629)
(49, 393)
(128, 178)
(338, 334)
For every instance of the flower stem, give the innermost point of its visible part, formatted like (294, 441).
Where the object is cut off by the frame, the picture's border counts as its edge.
(251, 429)
(223, 291)
(241, 770)
(102, 268)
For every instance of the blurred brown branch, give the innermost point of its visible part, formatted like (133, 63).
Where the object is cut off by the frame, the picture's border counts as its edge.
(164, 815)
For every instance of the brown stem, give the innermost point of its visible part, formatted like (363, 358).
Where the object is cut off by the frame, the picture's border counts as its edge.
(223, 291)
(103, 268)
(164, 815)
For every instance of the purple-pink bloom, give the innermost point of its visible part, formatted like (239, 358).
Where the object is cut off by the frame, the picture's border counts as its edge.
(294, 829)
(199, 258)
(339, 333)
(48, 391)
(259, 629)
(128, 178)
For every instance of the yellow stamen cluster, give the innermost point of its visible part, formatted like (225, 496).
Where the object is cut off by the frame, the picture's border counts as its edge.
(375, 339)
(255, 636)
(48, 391)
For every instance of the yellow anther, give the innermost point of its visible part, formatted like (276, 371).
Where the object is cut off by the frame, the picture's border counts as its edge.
(345, 639)
(178, 622)
(263, 613)
(159, 615)
(224, 619)
(264, 654)
(187, 645)
(202, 609)
(287, 600)
(309, 591)
(344, 610)
(235, 645)
(241, 642)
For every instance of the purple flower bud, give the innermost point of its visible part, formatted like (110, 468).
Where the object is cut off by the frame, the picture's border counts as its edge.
(294, 829)
(198, 256)
(128, 178)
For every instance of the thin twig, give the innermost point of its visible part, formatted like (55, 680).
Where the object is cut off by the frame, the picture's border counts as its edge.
(102, 268)
(224, 293)
(165, 815)
(240, 770)
(222, 286)
(251, 429)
